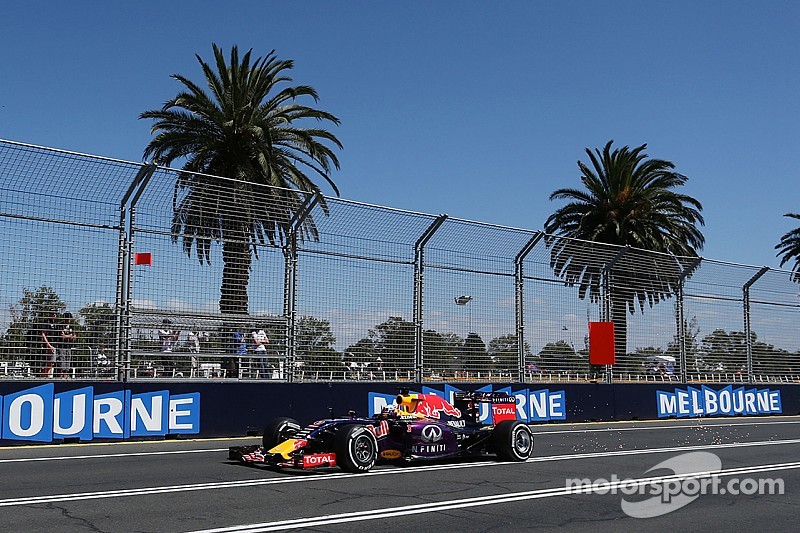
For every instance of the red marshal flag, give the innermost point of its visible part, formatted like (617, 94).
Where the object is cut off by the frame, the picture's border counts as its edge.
(143, 258)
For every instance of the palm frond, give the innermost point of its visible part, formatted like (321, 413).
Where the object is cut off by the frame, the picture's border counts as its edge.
(245, 125)
(628, 200)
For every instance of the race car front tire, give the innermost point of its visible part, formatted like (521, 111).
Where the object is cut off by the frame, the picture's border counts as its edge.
(512, 440)
(356, 448)
(278, 430)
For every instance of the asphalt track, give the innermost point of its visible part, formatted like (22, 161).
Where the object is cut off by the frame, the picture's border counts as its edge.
(183, 486)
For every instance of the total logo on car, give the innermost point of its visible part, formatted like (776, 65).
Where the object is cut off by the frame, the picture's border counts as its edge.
(319, 459)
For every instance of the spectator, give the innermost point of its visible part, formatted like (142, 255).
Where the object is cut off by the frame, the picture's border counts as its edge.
(239, 343)
(48, 332)
(101, 362)
(194, 341)
(238, 346)
(64, 345)
(260, 341)
(168, 336)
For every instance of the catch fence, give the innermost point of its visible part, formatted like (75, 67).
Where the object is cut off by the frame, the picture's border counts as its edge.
(172, 275)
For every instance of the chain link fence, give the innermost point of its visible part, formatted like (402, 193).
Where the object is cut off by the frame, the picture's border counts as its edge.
(125, 271)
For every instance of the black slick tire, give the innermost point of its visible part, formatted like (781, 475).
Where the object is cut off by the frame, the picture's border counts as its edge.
(278, 430)
(356, 448)
(512, 440)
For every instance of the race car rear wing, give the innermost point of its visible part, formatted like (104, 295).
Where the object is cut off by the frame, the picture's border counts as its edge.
(503, 406)
(484, 397)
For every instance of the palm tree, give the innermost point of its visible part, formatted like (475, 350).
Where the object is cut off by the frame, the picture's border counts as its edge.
(628, 201)
(789, 248)
(239, 135)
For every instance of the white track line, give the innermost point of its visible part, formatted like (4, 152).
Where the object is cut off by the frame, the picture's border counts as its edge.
(704, 425)
(10, 502)
(110, 455)
(391, 512)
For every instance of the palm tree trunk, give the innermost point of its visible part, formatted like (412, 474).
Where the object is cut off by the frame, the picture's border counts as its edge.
(236, 260)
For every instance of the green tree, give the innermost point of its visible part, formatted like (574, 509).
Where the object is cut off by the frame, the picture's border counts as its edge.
(560, 356)
(99, 324)
(315, 341)
(726, 351)
(691, 345)
(247, 127)
(789, 248)
(474, 355)
(723, 351)
(394, 343)
(442, 351)
(28, 315)
(503, 351)
(361, 352)
(640, 360)
(627, 200)
(772, 361)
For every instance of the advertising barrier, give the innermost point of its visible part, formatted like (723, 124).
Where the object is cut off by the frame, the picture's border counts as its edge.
(36, 412)
(727, 401)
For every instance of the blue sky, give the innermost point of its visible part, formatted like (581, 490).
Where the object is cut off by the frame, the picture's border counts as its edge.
(475, 109)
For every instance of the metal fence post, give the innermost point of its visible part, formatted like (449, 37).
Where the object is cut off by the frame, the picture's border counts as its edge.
(519, 286)
(122, 276)
(680, 317)
(419, 290)
(746, 310)
(290, 281)
(123, 290)
(608, 304)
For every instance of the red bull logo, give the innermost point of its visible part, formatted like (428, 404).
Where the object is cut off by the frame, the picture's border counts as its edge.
(381, 430)
(430, 405)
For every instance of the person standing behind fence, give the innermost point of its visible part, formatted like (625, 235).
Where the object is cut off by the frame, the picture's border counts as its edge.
(260, 340)
(239, 343)
(64, 344)
(193, 341)
(48, 332)
(238, 346)
(167, 336)
(101, 362)
(194, 348)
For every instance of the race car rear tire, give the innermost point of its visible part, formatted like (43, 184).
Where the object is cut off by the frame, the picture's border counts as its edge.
(356, 448)
(278, 430)
(512, 440)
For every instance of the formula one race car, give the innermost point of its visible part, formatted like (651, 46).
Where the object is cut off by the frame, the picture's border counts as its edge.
(416, 427)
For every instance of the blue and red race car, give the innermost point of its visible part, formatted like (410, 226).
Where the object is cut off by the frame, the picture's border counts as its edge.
(416, 427)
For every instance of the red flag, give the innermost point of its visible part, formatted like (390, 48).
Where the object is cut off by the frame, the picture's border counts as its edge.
(143, 258)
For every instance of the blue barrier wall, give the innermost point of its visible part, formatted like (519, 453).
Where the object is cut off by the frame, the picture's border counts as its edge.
(87, 411)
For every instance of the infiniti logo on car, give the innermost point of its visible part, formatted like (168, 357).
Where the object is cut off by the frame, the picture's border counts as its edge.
(431, 433)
